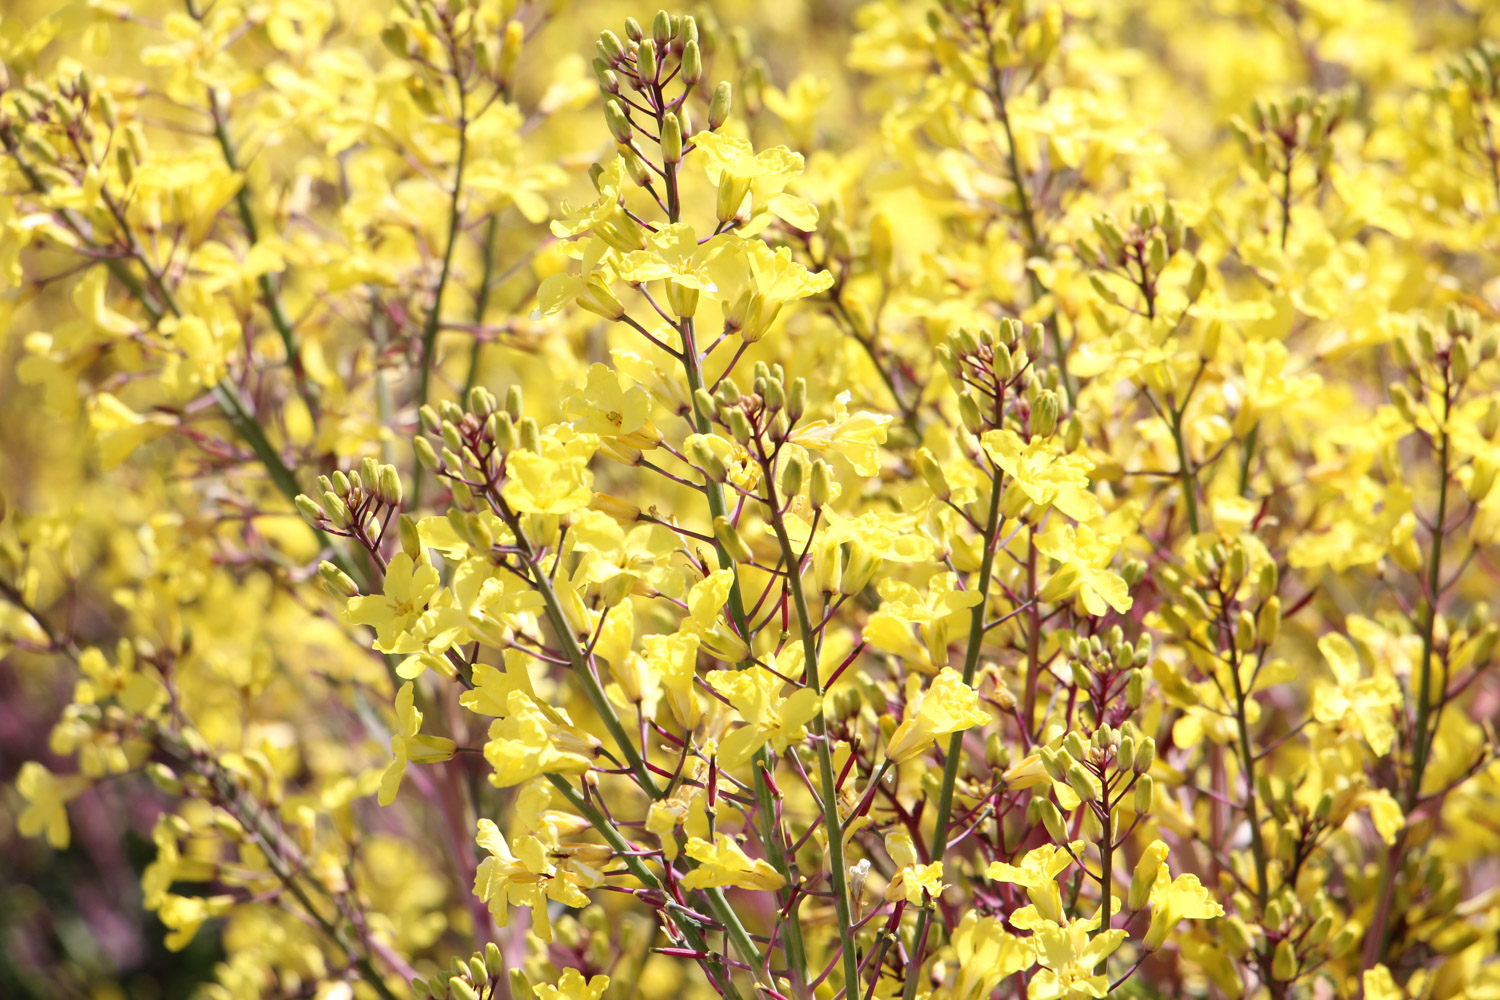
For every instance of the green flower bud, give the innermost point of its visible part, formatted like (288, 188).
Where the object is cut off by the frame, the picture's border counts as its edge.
(336, 581)
(1197, 281)
(730, 541)
(1284, 961)
(739, 426)
(1052, 819)
(618, 122)
(1345, 941)
(610, 48)
(968, 411)
(309, 509)
(671, 140)
(932, 474)
(708, 462)
(692, 64)
(719, 107)
(646, 64)
(1083, 783)
(388, 485)
(1036, 337)
(1145, 755)
(821, 490)
(1044, 414)
(793, 475)
(1144, 794)
(1268, 624)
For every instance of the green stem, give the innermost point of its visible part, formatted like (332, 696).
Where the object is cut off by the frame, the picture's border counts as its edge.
(1248, 457)
(692, 366)
(628, 853)
(435, 317)
(482, 300)
(833, 826)
(1034, 244)
(1247, 763)
(268, 292)
(581, 661)
(1421, 739)
(939, 844)
(1185, 472)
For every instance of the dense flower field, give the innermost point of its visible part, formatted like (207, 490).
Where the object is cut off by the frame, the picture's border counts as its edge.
(899, 499)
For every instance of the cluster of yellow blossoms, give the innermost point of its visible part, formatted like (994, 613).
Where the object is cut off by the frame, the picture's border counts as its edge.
(922, 499)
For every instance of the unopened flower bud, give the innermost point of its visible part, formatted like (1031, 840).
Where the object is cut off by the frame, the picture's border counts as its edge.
(692, 64)
(410, 537)
(1082, 783)
(1284, 961)
(793, 475)
(730, 541)
(309, 509)
(618, 122)
(932, 473)
(671, 139)
(1268, 624)
(968, 411)
(739, 426)
(646, 65)
(821, 489)
(719, 107)
(1145, 755)
(336, 581)
(609, 46)
(1145, 792)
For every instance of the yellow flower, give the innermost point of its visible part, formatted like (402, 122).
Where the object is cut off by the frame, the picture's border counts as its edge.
(602, 407)
(743, 175)
(755, 282)
(571, 986)
(1037, 874)
(1069, 960)
(723, 863)
(555, 484)
(47, 796)
(408, 587)
(1084, 555)
(1047, 477)
(119, 431)
(1360, 703)
(755, 693)
(408, 745)
(523, 877)
(674, 254)
(857, 438)
(948, 706)
(1176, 900)
(183, 915)
(914, 881)
(986, 955)
(590, 287)
(530, 741)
